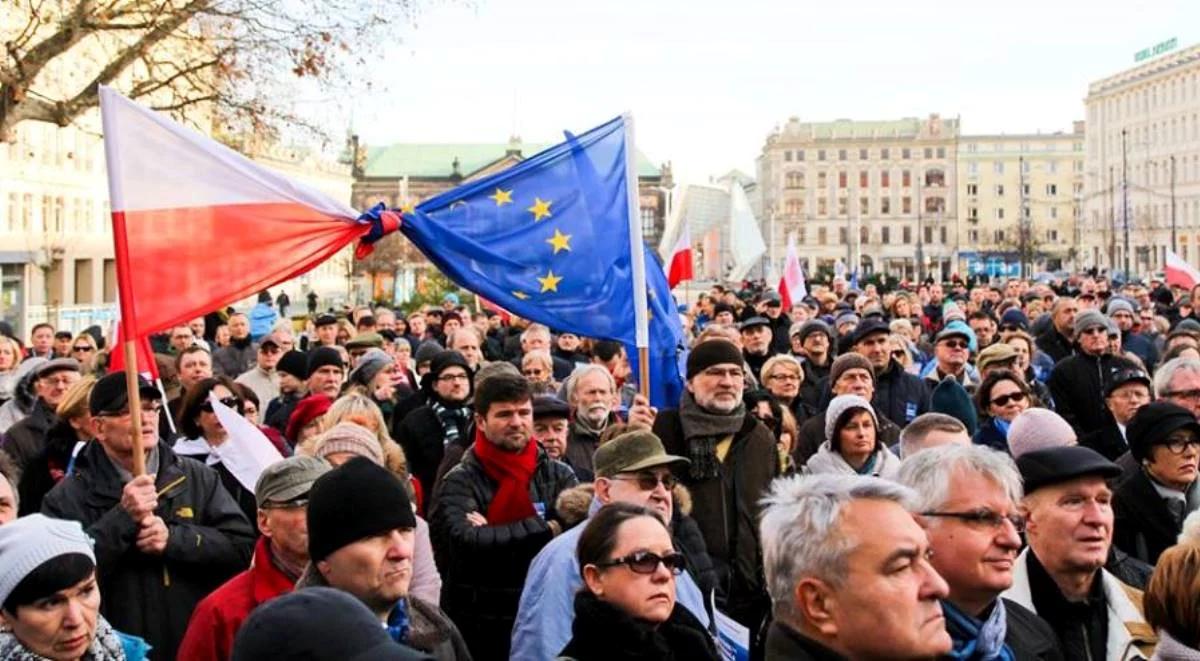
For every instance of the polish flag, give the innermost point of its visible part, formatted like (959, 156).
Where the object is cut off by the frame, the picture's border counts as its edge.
(146, 365)
(680, 268)
(792, 287)
(1180, 273)
(197, 225)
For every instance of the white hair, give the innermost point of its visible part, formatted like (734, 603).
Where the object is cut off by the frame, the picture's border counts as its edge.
(1165, 374)
(928, 472)
(1190, 534)
(535, 329)
(800, 529)
(580, 372)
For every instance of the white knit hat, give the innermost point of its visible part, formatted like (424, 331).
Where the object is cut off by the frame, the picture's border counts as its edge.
(1036, 429)
(839, 405)
(31, 540)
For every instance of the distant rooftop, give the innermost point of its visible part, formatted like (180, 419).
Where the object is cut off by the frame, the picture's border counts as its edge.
(848, 128)
(437, 160)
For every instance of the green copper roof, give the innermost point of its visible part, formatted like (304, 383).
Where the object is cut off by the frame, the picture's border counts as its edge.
(436, 160)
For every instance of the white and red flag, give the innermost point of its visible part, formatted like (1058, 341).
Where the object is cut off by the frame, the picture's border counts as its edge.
(792, 287)
(1179, 272)
(680, 267)
(197, 225)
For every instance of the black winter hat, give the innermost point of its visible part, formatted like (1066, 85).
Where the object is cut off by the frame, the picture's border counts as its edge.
(349, 631)
(294, 363)
(440, 363)
(712, 352)
(867, 328)
(354, 501)
(322, 356)
(1054, 465)
(1153, 423)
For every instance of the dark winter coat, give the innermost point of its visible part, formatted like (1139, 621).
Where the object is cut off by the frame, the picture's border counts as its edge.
(26, 439)
(900, 396)
(1143, 527)
(483, 567)
(814, 376)
(48, 468)
(1106, 440)
(1077, 386)
(727, 511)
(989, 435)
(1029, 636)
(423, 438)
(1054, 344)
(784, 644)
(153, 596)
(234, 359)
(603, 632)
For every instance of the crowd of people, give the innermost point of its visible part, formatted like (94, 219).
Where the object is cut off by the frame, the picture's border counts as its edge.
(966, 470)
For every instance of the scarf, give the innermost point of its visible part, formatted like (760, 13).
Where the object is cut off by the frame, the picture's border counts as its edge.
(398, 624)
(107, 645)
(1002, 426)
(451, 418)
(702, 431)
(512, 473)
(975, 640)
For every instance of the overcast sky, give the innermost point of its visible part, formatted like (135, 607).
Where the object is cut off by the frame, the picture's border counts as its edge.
(707, 81)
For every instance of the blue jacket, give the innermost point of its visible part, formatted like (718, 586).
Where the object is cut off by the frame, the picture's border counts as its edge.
(262, 320)
(547, 608)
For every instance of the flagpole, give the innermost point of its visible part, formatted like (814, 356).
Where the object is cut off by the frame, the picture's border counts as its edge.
(637, 255)
(116, 198)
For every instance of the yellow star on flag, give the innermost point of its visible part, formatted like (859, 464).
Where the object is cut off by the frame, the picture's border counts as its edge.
(560, 241)
(540, 209)
(550, 282)
(502, 197)
(408, 207)
(520, 294)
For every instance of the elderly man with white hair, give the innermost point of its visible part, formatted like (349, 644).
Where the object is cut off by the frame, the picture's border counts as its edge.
(967, 498)
(847, 567)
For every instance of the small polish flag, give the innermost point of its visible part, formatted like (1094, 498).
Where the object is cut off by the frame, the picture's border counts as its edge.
(792, 287)
(680, 268)
(1179, 272)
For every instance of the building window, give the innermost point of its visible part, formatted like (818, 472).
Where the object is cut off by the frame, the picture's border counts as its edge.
(794, 207)
(842, 235)
(941, 152)
(998, 236)
(795, 179)
(906, 153)
(935, 204)
(1054, 212)
(885, 206)
(1000, 213)
(905, 179)
(973, 236)
(972, 189)
(1052, 235)
(885, 179)
(802, 235)
(1025, 167)
(841, 154)
(843, 207)
(1025, 189)
(942, 235)
(864, 235)
(972, 168)
(1052, 189)
(864, 154)
(928, 234)
(864, 179)
(885, 235)
(998, 167)
(820, 154)
(787, 156)
(973, 213)
(800, 155)
(821, 181)
(864, 206)
(999, 190)
(885, 153)
(842, 179)
(906, 205)
(1052, 167)
(822, 207)
(906, 232)
(929, 152)
(935, 178)
(822, 236)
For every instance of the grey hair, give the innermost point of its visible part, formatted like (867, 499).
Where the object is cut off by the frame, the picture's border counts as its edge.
(535, 329)
(800, 529)
(583, 371)
(540, 355)
(1166, 373)
(914, 433)
(928, 472)
(463, 329)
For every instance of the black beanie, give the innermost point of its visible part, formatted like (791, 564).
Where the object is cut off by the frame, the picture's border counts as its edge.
(354, 501)
(322, 356)
(712, 352)
(294, 363)
(440, 363)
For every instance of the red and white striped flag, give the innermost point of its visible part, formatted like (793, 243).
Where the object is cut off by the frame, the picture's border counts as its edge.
(792, 287)
(680, 267)
(1179, 272)
(197, 225)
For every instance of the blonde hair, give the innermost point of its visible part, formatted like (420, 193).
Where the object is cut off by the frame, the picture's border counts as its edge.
(6, 341)
(781, 360)
(75, 402)
(361, 410)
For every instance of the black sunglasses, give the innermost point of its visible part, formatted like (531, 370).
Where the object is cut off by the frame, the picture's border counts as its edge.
(1003, 400)
(82, 349)
(645, 562)
(232, 402)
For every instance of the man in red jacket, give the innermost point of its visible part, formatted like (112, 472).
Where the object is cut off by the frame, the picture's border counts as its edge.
(279, 558)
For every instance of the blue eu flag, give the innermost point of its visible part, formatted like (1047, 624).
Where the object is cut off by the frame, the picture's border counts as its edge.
(548, 239)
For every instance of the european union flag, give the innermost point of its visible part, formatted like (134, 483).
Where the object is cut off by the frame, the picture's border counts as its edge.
(548, 239)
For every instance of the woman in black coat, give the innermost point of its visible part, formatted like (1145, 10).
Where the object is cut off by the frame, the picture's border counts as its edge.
(628, 609)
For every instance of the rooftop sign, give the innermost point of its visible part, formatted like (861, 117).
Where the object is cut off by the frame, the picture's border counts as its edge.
(1156, 49)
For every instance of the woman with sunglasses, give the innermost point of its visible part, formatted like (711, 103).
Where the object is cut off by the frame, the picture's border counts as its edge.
(203, 435)
(84, 349)
(1001, 397)
(627, 609)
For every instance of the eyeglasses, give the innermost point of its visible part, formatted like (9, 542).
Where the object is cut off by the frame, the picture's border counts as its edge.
(1003, 400)
(82, 349)
(649, 481)
(645, 562)
(983, 518)
(1094, 330)
(151, 407)
(447, 378)
(784, 377)
(231, 402)
(1191, 395)
(1009, 328)
(955, 344)
(294, 504)
(1179, 446)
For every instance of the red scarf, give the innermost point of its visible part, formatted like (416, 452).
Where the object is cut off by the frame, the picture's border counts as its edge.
(512, 472)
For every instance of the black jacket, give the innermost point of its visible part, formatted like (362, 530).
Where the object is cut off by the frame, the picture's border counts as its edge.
(989, 435)
(25, 440)
(581, 445)
(810, 390)
(690, 542)
(1053, 344)
(483, 568)
(727, 511)
(236, 358)
(153, 596)
(1029, 636)
(1142, 525)
(1077, 386)
(784, 644)
(1106, 440)
(602, 632)
(423, 438)
(48, 468)
(900, 396)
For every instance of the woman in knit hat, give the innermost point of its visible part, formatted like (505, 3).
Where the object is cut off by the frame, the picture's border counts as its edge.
(375, 377)
(852, 445)
(49, 600)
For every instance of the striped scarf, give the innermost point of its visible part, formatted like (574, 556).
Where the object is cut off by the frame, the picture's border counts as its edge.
(452, 419)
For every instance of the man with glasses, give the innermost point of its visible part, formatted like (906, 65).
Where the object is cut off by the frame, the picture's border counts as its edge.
(425, 432)
(280, 556)
(27, 438)
(1178, 381)
(263, 379)
(899, 396)
(1077, 382)
(1060, 576)
(1125, 392)
(632, 468)
(967, 502)
(951, 355)
(733, 459)
(164, 539)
